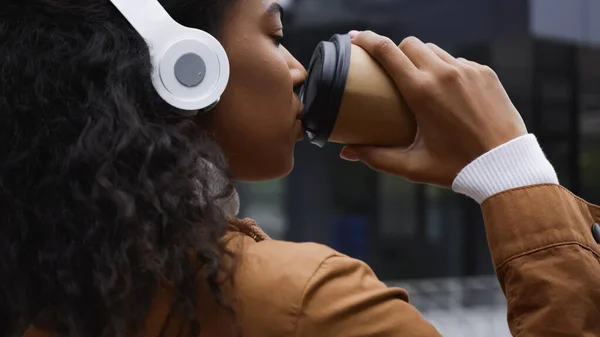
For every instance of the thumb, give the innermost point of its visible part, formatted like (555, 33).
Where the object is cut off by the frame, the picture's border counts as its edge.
(393, 160)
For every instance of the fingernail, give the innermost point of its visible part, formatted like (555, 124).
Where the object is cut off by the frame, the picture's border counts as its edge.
(348, 154)
(353, 33)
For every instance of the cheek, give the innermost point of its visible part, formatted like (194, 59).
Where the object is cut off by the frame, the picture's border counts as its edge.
(265, 81)
(254, 121)
(260, 91)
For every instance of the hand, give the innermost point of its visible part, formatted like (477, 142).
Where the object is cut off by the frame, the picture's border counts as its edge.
(461, 108)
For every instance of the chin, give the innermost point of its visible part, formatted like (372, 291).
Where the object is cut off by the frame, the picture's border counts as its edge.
(277, 168)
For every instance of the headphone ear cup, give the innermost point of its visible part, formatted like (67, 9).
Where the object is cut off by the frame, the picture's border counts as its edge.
(192, 72)
(193, 113)
(190, 66)
(208, 108)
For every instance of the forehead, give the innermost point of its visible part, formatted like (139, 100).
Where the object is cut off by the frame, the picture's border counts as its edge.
(255, 8)
(246, 19)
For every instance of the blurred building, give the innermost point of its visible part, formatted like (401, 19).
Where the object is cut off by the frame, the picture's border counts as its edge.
(546, 53)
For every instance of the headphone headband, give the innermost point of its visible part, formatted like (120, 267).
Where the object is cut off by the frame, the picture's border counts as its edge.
(190, 67)
(148, 17)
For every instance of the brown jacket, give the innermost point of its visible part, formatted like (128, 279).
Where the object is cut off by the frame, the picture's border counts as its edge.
(544, 252)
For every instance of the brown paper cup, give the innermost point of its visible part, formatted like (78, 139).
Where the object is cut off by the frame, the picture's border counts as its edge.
(350, 99)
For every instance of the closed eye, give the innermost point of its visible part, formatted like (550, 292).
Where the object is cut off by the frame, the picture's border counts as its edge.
(278, 39)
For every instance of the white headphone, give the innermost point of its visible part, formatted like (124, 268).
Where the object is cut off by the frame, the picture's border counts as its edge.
(190, 67)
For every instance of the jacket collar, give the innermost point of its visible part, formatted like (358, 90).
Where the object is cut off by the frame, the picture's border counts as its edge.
(248, 227)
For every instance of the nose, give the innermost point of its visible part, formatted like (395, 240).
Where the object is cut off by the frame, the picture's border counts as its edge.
(297, 70)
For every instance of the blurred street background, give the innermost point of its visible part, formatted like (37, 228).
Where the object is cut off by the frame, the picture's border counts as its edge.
(427, 240)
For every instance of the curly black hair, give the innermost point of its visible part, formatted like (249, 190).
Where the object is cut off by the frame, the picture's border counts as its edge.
(104, 189)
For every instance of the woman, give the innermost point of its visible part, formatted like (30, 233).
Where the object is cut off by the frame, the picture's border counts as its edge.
(116, 211)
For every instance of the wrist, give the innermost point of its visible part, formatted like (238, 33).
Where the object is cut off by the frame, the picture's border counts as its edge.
(517, 163)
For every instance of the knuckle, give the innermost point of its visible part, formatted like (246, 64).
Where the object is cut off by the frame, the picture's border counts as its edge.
(384, 46)
(365, 38)
(465, 64)
(467, 69)
(488, 71)
(408, 42)
(366, 35)
(449, 74)
(431, 45)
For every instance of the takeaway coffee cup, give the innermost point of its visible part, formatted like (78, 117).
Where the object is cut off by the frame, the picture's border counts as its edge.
(350, 99)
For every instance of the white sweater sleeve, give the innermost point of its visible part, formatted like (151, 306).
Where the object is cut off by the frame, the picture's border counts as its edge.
(518, 163)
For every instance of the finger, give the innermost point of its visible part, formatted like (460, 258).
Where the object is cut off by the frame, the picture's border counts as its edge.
(420, 55)
(407, 163)
(442, 54)
(388, 55)
(466, 62)
(348, 154)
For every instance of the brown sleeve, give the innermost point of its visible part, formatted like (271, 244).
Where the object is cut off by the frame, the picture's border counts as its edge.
(345, 298)
(546, 260)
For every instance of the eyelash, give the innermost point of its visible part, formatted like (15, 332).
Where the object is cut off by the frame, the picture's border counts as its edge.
(278, 39)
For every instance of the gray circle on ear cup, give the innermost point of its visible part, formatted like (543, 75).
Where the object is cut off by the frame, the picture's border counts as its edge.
(190, 69)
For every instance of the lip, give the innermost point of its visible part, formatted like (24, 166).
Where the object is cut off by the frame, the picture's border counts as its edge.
(300, 111)
(299, 124)
(299, 130)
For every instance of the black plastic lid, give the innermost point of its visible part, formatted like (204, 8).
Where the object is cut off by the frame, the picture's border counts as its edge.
(323, 91)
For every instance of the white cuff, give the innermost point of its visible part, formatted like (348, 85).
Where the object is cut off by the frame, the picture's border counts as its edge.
(518, 163)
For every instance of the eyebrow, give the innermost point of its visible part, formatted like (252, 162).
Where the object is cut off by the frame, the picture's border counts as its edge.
(274, 9)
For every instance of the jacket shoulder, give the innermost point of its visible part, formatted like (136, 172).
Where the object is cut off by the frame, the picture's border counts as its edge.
(263, 265)
(269, 282)
(307, 289)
